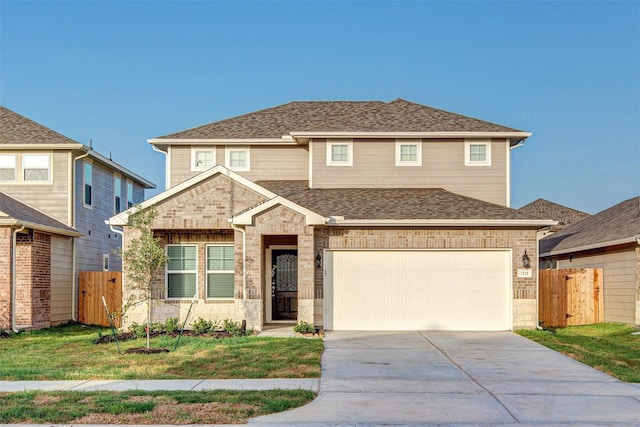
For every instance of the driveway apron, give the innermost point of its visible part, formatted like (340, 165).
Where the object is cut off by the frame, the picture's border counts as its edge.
(490, 378)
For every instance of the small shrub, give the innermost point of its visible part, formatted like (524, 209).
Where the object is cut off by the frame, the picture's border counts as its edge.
(232, 327)
(202, 326)
(304, 328)
(171, 325)
(137, 329)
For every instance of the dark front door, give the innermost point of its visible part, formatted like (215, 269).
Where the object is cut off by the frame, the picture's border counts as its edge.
(284, 284)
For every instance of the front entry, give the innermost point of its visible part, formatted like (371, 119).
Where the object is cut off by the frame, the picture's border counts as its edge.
(284, 284)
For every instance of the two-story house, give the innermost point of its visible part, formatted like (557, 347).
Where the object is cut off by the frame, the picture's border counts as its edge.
(348, 215)
(55, 195)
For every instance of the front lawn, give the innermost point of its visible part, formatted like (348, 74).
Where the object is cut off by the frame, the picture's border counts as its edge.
(608, 347)
(68, 353)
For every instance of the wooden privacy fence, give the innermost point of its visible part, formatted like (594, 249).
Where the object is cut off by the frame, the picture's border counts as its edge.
(92, 287)
(571, 296)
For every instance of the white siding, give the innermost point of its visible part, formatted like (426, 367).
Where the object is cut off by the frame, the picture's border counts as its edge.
(61, 279)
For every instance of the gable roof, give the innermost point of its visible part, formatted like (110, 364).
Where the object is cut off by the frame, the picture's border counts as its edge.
(617, 225)
(17, 213)
(19, 130)
(319, 118)
(545, 209)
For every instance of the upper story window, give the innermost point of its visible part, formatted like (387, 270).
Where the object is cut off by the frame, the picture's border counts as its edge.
(117, 194)
(87, 179)
(477, 153)
(220, 270)
(408, 153)
(35, 167)
(340, 153)
(237, 158)
(129, 194)
(202, 159)
(181, 272)
(7, 167)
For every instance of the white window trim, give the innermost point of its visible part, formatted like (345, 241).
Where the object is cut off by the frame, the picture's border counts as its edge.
(105, 262)
(166, 272)
(49, 169)
(15, 167)
(128, 185)
(467, 152)
(84, 163)
(349, 144)
(227, 158)
(207, 271)
(117, 192)
(195, 167)
(417, 143)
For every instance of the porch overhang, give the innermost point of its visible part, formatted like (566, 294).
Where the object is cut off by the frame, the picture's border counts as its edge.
(246, 217)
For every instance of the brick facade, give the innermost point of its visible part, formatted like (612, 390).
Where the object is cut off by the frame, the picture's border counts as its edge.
(33, 280)
(5, 277)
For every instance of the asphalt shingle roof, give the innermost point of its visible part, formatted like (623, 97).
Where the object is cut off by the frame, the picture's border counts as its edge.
(335, 116)
(621, 221)
(548, 210)
(17, 129)
(22, 212)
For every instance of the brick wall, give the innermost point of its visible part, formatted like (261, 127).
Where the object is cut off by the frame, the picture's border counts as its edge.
(5, 277)
(33, 280)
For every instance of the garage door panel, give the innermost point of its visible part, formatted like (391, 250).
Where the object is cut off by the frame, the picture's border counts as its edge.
(410, 290)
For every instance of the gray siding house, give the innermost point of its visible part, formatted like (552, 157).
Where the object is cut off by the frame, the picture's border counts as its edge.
(348, 215)
(71, 184)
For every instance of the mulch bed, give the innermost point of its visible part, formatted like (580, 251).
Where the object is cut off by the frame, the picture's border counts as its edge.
(128, 336)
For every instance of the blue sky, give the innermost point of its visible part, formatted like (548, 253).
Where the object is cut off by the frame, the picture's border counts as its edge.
(121, 72)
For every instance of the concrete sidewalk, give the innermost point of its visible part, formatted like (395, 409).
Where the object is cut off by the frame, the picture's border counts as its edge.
(150, 385)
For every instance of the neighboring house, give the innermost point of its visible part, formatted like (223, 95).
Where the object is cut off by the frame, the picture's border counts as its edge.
(609, 240)
(562, 214)
(73, 185)
(347, 215)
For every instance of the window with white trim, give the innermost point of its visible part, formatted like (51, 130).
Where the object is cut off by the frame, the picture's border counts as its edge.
(220, 271)
(105, 262)
(129, 194)
(7, 167)
(35, 167)
(477, 153)
(87, 179)
(181, 271)
(202, 158)
(340, 153)
(237, 158)
(408, 153)
(117, 194)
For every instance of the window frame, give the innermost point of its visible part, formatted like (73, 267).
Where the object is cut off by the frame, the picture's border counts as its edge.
(15, 167)
(85, 164)
(336, 142)
(117, 194)
(227, 157)
(220, 272)
(168, 271)
(194, 153)
(409, 142)
(467, 152)
(129, 195)
(25, 156)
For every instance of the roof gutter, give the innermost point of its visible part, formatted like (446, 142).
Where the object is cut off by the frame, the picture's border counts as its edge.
(632, 239)
(340, 221)
(40, 227)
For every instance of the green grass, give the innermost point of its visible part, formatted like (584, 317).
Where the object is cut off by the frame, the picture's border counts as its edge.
(608, 347)
(143, 407)
(68, 353)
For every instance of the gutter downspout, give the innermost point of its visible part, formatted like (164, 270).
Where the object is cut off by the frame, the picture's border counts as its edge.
(13, 278)
(72, 209)
(166, 165)
(244, 266)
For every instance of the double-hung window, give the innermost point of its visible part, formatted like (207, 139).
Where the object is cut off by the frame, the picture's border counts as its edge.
(35, 167)
(117, 194)
(202, 159)
(181, 273)
(408, 153)
(7, 167)
(220, 269)
(129, 194)
(340, 153)
(237, 158)
(87, 178)
(477, 153)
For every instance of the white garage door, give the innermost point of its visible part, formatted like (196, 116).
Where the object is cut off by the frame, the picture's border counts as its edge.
(418, 290)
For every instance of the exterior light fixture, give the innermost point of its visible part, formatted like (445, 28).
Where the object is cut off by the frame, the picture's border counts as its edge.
(318, 261)
(526, 262)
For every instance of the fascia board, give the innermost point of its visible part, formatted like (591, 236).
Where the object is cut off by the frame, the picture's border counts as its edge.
(27, 147)
(95, 155)
(311, 218)
(333, 134)
(631, 239)
(285, 140)
(40, 227)
(439, 222)
(123, 217)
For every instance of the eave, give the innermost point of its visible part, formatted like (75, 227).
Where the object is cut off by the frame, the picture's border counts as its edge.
(338, 221)
(35, 226)
(591, 246)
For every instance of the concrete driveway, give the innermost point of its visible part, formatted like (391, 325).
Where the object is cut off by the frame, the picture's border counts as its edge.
(490, 378)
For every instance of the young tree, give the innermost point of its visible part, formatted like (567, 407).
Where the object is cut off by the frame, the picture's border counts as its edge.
(142, 262)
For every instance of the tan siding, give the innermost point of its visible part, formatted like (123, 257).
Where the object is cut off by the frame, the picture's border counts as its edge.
(619, 282)
(266, 163)
(61, 279)
(51, 198)
(442, 167)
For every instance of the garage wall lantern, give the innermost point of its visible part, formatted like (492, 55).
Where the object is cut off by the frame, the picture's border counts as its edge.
(526, 262)
(318, 261)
